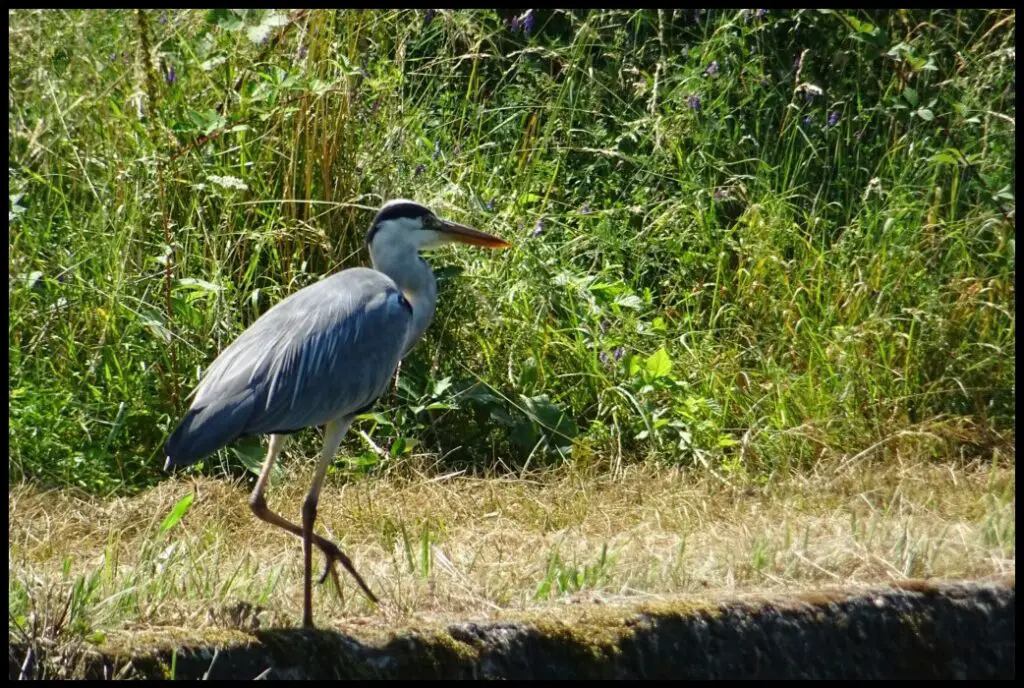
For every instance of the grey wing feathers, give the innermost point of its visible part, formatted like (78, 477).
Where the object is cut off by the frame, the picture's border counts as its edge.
(327, 351)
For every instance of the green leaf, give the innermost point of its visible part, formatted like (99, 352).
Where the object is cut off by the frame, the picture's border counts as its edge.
(633, 365)
(858, 25)
(199, 284)
(482, 394)
(910, 95)
(207, 121)
(439, 405)
(250, 454)
(900, 47)
(528, 375)
(157, 328)
(925, 114)
(441, 386)
(377, 417)
(948, 156)
(500, 415)
(629, 301)
(658, 364)
(229, 20)
(213, 62)
(179, 510)
(524, 435)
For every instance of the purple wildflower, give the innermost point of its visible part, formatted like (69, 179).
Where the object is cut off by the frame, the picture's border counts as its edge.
(163, 18)
(514, 23)
(457, 150)
(538, 229)
(585, 210)
(113, 56)
(171, 75)
(619, 353)
(302, 52)
(833, 118)
(712, 69)
(428, 16)
(490, 205)
(420, 169)
(528, 21)
(604, 326)
(807, 121)
(603, 357)
(760, 14)
(693, 102)
(437, 150)
(809, 95)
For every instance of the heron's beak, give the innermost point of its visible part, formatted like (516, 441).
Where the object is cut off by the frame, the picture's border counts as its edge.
(468, 235)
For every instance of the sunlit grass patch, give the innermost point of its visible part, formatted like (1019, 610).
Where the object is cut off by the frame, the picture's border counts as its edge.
(460, 546)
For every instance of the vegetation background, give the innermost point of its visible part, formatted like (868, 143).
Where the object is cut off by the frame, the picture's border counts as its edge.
(751, 245)
(747, 240)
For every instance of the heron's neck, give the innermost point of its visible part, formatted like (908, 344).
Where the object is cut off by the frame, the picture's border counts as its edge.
(402, 263)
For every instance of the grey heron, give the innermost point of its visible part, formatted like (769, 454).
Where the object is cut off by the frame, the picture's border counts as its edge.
(322, 356)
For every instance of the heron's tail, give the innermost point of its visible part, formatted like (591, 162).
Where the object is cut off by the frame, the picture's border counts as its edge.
(205, 429)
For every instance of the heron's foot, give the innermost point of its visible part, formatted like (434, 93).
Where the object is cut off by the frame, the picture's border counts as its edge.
(332, 556)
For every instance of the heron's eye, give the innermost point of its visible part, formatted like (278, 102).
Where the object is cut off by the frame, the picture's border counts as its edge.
(431, 222)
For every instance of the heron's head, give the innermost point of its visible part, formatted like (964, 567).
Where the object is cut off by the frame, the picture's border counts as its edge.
(407, 223)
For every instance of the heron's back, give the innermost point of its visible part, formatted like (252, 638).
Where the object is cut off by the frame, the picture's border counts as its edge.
(326, 351)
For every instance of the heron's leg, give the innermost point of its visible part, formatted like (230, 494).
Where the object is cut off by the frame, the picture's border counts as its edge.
(258, 504)
(256, 500)
(334, 431)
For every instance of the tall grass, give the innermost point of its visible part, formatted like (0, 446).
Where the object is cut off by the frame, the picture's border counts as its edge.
(749, 242)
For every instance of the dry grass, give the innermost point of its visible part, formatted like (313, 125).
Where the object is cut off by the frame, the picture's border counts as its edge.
(454, 546)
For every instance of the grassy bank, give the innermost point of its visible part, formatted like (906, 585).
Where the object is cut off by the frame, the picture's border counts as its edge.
(452, 547)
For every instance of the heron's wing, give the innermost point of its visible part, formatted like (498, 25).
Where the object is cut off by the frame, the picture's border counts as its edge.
(326, 351)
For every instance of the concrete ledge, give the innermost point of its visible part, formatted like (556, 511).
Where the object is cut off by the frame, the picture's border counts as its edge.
(918, 629)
